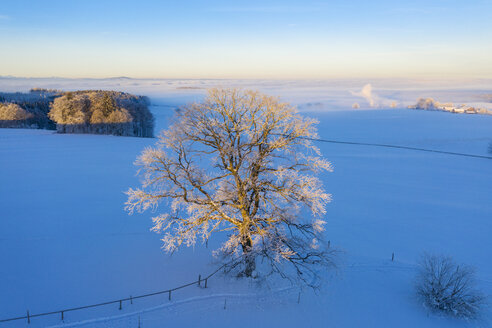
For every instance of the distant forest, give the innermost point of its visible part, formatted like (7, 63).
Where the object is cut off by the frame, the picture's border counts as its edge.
(88, 111)
(27, 110)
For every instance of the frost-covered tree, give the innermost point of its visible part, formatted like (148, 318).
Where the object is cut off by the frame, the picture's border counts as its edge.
(13, 112)
(104, 103)
(447, 287)
(70, 109)
(244, 163)
(120, 115)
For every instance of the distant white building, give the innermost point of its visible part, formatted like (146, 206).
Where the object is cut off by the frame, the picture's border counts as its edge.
(431, 104)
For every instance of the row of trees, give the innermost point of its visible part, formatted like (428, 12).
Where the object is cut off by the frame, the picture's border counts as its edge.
(92, 111)
(102, 112)
(34, 107)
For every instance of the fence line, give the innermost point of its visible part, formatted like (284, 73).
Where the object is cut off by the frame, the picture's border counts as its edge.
(398, 147)
(198, 282)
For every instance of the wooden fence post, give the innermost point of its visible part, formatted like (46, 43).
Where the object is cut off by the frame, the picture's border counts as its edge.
(131, 299)
(62, 316)
(206, 280)
(120, 305)
(392, 257)
(199, 279)
(28, 317)
(169, 295)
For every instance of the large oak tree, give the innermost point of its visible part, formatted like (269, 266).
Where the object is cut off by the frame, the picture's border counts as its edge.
(242, 162)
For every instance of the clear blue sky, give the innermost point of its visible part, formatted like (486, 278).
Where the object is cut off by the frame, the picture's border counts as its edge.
(246, 39)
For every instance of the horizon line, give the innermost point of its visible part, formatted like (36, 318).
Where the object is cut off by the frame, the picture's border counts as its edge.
(248, 78)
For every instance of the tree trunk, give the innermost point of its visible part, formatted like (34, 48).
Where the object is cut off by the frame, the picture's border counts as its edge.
(249, 257)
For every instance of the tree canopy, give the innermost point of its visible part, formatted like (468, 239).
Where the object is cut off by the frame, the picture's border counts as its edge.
(244, 163)
(13, 112)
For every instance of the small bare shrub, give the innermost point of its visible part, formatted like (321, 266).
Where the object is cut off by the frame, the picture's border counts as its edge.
(447, 287)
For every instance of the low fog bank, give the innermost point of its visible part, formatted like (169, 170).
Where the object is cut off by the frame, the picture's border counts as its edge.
(308, 95)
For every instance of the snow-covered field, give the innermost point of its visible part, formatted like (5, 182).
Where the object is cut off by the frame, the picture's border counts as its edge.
(65, 240)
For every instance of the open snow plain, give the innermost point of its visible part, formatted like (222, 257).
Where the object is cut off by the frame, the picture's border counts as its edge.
(65, 240)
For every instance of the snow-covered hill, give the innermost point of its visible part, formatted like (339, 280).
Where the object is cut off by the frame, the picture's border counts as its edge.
(66, 241)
